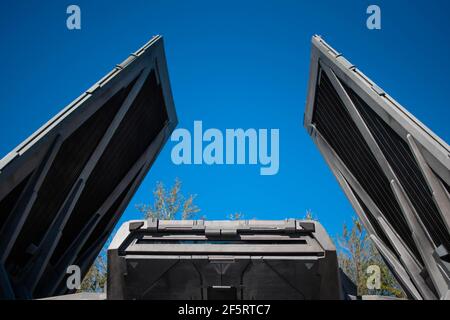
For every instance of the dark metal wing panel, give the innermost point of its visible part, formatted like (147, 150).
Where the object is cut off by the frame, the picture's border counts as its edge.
(394, 170)
(64, 188)
(333, 120)
(407, 170)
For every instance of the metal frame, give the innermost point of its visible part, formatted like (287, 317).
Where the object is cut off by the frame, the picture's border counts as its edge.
(35, 155)
(312, 249)
(431, 153)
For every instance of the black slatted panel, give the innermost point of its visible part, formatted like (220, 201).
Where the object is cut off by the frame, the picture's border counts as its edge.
(333, 121)
(104, 222)
(379, 231)
(95, 236)
(67, 166)
(8, 203)
(145, 119)
(402, 161)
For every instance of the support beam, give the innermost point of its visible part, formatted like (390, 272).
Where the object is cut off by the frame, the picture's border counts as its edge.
(430, 154)
(402, 250)
(96, 247)
(53, 234)
(408, 260)
(17, 217)
(138, 172)
(421, 238)
(335, 162)
(360, 123)
(396, 268)
(425, 242)
(71, 253)
(385, 106)
(440, 197)
(313, 75)
(6, 289)
(396, 242)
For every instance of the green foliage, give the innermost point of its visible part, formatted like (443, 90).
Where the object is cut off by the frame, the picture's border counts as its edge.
(95, 279)
(169, 204)
(356, 254)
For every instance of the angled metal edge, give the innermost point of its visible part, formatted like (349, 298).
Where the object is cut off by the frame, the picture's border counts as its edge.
(421, 238)
(58, 118)
(424, 242)
(440, 197)
(83, 107)
(435, 150)
(53, 234)
(19, 214)
(141, 168)
(396, 268)
(437, 190)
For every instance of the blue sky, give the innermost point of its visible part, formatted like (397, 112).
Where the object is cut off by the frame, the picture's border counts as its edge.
(232, 64)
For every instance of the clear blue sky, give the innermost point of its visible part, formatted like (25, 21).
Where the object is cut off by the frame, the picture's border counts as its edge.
(232, 64)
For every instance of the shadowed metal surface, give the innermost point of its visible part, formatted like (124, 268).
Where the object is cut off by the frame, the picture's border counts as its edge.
(393, 169)
(233, 260)
(63, 189)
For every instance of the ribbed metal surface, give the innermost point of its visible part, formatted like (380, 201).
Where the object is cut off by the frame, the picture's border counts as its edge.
(99, 231)
(376, 226)
(91, 155)
(334, 122)
(402, 161)
(8, 203)
(41, 290)
(70, 160)
(144, 120)
(397, 162)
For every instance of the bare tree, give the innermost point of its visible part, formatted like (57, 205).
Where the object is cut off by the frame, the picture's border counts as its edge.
(356, 254)
(95, 278)
(169, 204)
